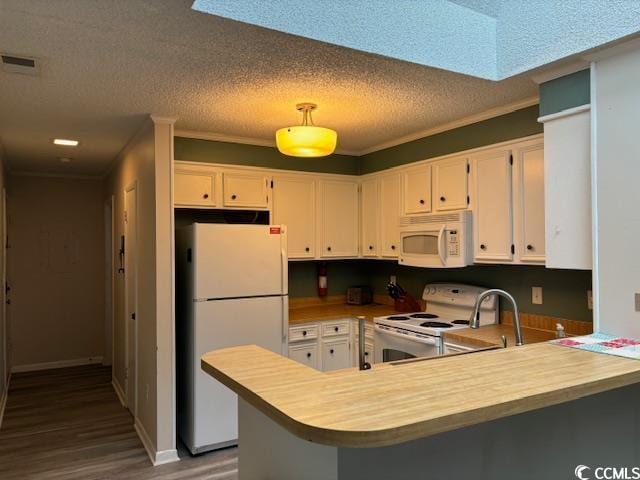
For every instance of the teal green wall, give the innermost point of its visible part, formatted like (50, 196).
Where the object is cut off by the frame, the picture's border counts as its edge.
(209, 151)
(565, 92)
(564, 291)
(520, 123)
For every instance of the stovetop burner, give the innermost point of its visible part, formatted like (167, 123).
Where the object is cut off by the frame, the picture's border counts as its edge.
(460, 322)
(398, 317)
(436, 325)
(424, 315)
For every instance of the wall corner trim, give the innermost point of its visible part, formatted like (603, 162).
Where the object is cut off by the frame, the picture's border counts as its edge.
(156, 457)
(119, 391)
(3, 400)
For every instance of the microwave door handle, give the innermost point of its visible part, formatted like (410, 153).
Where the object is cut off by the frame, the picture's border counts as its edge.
(440, 246)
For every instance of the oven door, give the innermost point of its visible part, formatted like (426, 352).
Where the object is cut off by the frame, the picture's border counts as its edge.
(396, 344)
(422, 248)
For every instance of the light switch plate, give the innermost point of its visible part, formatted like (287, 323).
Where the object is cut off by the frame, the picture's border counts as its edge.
(637, 302)
(536, 295)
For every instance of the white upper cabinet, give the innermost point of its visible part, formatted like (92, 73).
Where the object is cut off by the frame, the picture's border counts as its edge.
(529, 203)
(245, 190)
(338, 219)
(193, 188)
(389, 215)
(294, 205)
(416, 190)
(567, 189)
(493, 225)
(370, 209)
(450, 184)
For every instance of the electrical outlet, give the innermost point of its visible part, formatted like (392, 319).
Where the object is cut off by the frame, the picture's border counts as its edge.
(392, 279)
(536, 295)
(590, 299)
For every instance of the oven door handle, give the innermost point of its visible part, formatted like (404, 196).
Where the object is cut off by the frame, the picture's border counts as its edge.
(391, 333)
(441, 247)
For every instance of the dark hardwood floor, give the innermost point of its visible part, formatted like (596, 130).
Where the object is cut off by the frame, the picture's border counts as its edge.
(68, 424)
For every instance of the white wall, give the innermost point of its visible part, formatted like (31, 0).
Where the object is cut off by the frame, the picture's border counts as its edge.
(148, 160)
(55, 269)
(616, 161)
(5, 363)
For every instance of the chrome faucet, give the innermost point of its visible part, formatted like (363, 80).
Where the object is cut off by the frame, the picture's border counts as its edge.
(474, 322)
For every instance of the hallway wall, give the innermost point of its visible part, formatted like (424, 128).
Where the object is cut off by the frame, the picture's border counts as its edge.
(56, 261)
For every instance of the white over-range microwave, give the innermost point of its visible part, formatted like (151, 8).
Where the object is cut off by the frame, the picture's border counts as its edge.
(439, 240)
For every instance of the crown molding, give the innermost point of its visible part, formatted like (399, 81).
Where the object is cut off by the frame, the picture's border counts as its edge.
(461, 122)
(487, 114)
(561, 71)
(159, 120)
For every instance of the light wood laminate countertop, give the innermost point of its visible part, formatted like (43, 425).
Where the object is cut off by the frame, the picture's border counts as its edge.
(307, 314)
(390, 404)
(489, 335)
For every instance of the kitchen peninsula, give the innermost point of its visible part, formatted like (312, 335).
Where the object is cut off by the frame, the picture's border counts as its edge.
(533, 410)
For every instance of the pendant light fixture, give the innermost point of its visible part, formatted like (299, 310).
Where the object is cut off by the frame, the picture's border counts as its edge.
(306, 140)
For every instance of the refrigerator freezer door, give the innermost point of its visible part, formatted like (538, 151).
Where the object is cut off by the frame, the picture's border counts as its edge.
(227, 323)
(239, 261)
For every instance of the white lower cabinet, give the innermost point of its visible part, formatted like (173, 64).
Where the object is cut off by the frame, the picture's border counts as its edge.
(329, 344)
(305, 353)
(335, 354)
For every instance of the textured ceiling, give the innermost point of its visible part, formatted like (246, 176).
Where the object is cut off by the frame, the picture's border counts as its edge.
(105, 65)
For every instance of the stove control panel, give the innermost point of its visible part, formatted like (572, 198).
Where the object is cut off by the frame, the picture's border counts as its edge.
(457, 294)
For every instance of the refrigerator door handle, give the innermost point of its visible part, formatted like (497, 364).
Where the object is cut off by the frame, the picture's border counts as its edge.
(285, 325)
(284, 282)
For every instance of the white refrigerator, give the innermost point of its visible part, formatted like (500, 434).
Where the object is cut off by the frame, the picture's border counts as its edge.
(232, 289)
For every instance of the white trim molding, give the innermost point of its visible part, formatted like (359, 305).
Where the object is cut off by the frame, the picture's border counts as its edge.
(563, 70)
(565, 113)
(157, 458)
(461, 122)
(34, 367)
(119, 391)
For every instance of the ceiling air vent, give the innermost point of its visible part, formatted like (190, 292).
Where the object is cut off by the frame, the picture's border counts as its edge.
(17, 64)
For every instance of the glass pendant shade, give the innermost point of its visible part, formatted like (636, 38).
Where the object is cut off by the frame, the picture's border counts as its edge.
(306, 140)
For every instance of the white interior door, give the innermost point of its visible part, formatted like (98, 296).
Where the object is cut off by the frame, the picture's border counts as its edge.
(227, 323)
(131, 293)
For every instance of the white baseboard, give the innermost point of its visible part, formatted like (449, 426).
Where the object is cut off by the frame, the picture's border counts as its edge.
(157, 458)
(3, 400)
(33, 367)
(119, 391)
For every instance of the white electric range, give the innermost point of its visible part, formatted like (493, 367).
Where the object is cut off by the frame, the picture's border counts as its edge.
(449, 306)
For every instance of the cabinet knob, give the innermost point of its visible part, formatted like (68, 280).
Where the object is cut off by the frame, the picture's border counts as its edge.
(529, 247)
(443, 199)
(205, 196)
(393, 247)
(234, 196)
(331, 351)
(370, 247)
(328, 249)
(335, 329)
(366, 354)
(421, 202)
(304, 333)
(483, 247)
(309, 355)
(306, 249)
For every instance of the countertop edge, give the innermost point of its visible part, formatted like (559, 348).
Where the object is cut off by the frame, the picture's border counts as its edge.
(404, 433)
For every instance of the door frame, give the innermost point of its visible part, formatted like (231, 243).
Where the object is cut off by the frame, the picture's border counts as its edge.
(109, 285)
(5, 328)
(131, 327)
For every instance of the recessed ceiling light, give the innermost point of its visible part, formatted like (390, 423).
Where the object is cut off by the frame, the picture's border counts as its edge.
(65, 159)
(65, 142)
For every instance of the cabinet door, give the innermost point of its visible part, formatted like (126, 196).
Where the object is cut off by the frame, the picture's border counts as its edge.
(389, 216)
(245, 190)
(194, 189)
(493, 224)
(338, 219)
(335, 355)
(306, 354)
(370, 214)
(294, 205)
(450, 184)
(530, 204)
(416, 190)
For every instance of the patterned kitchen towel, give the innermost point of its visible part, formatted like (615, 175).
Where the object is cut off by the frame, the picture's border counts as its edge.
(601, 343)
